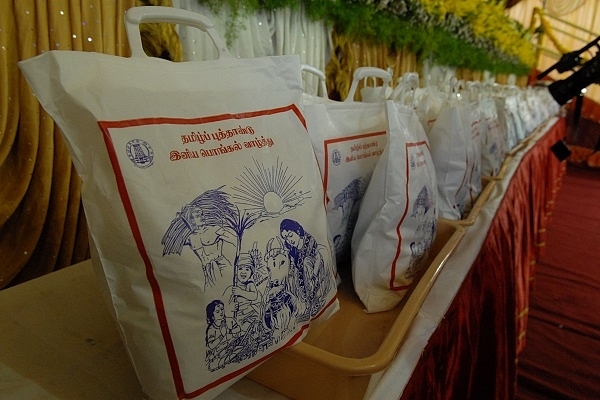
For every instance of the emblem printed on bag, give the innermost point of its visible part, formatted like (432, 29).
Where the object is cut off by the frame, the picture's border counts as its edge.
(336, 158)
(267, 294)
(140, 153)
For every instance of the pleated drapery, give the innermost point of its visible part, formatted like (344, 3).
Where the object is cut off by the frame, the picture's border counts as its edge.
(473, 351)
(42, 224)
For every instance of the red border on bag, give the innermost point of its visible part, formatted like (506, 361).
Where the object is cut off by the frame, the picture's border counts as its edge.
(105, 126)
(398, 232)
(326, 154)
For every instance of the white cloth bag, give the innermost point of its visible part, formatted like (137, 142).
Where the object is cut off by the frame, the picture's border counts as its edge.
(204, 202)
(472, 123)
(398, 216)
(348, 138)
(493, 144)
(449, 140)
(507, 123)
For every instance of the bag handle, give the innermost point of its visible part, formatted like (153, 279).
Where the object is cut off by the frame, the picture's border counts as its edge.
(475, 90)
(137, 15)
(364, 72)
(320, 75)
(407, 84)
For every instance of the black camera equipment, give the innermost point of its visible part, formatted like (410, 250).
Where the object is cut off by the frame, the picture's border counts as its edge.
(564, 90)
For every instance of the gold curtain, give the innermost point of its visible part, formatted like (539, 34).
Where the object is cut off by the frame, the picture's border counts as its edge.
(42, 224)
(563, 7)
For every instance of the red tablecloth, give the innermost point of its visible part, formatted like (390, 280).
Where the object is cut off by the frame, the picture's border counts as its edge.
(472, 352)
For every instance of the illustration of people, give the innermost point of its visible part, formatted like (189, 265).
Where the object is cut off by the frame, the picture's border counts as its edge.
(422, 212)
(220, 333)
(281, 306)
(207, 240)
(424, 233)
(311, 262)
(201, 225)
(421, 204)
(418, 253)
(244, 294)
(348, 201)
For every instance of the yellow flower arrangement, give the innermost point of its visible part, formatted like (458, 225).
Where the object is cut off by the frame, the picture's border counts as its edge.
(476, 34)
(487, 20)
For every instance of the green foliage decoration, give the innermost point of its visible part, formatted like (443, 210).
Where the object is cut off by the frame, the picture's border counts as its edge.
(472, 34)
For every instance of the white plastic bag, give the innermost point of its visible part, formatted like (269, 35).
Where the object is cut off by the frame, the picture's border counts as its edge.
(428, 104)
(204, 202)
(507, 122)
(448, 141)
(370, 93)
(348, 138)
(398, 217)
(493, 141)
(473, 124)
(511, 103)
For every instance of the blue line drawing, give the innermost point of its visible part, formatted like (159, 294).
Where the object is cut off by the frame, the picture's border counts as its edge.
(280, 306)
(249, 283)
(268, 192)
(311, 262)
(425, 233)
(221, 333)
(206, 225)
(268, 295)
(348, 201)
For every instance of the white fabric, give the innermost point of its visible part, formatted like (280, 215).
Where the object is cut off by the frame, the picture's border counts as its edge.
(253, 34)
(493, 142)
(472, 120)
(449, 151)
(563, 7)
(348, 139)
(429, 102)
(398, 216)
(507, 123)
(284, 31)
(512, 106)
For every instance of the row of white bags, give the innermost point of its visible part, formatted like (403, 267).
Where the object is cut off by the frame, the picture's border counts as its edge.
(211, 206)
(471, 127)
(380, 186)
(216, 212)
(204, 203)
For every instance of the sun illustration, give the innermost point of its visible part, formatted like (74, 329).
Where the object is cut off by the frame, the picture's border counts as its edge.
(273, 202)
(268, 191)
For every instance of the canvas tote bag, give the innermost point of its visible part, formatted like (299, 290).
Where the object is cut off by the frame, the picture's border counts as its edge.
(204, 203)
(348, 138)
(397, 220)
(493, 144)
(449, 150)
